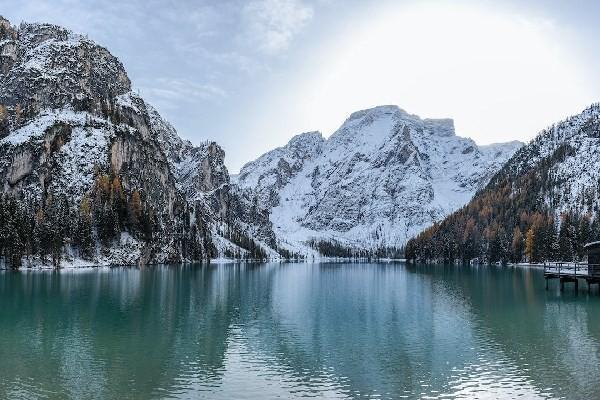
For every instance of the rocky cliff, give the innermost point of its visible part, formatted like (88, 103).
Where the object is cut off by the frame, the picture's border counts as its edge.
(382, 177)
(73, 133)
(90, 173)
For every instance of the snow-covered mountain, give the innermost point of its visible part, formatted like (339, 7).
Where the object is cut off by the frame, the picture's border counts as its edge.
(381, 178)
(543, 204)
(101, 178)
(79, 148)
(570, 151)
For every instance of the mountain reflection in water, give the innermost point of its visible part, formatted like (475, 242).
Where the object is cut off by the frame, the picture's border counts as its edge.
(296, 330)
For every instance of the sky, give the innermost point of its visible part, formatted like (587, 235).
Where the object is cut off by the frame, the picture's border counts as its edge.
(252, 74)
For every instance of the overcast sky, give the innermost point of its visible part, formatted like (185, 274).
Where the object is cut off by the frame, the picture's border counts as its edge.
(252, 74)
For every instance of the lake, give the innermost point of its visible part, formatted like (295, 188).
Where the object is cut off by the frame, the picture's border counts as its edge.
(265, 331)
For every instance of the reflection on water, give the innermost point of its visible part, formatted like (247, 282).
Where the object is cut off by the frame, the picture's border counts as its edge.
(296, 330)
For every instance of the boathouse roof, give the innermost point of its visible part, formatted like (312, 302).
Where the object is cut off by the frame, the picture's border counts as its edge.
(592, 245)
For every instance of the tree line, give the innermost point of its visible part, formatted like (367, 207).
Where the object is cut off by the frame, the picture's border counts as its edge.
(333, 248)
(516, 218)
(247, 248)
(30, 230)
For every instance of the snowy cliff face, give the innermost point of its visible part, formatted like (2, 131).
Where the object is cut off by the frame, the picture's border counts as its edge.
(382, 177)
(541, 205)
(68, 117)
(67, 109)
(46, 66)
(270, 173)
(566, 159)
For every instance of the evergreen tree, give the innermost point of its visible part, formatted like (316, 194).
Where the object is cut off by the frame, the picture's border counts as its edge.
(106, 224)
(84, 238)
(41, 235)
(584, 235)
(517, 245)
(57, 227)
(530, 251)
(565, 239)
(105, 217)
(118, 201)
(551, 241)
(13, 238)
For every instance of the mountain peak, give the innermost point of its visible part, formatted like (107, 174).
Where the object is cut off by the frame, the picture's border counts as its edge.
(36, 33)
(440, 126)
(383, 176)
(47, 66)
(437, 126)
(6, 29)
(305, 139)
(374, 112)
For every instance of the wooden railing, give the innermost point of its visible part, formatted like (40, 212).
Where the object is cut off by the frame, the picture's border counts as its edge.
(569, 268)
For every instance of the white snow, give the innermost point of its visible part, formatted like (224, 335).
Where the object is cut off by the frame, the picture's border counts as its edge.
(37, 127)
(575, 178)
(382, 177)
(86, 149)
(127, 100)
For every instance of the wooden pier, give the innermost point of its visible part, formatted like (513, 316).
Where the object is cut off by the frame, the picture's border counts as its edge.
(571, 272)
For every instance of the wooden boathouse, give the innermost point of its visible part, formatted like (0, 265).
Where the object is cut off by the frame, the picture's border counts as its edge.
(572, 272)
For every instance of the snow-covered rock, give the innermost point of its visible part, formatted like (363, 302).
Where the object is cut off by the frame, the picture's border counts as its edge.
(543, 203)
(382, 177)
(568, 154)
(68, 115)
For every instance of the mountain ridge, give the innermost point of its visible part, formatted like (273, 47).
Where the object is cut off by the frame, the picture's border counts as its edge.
(384, 144)
(98, 176)
(541, 205)
(78, 141)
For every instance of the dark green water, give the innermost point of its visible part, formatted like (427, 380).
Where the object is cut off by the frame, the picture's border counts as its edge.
(296, 330)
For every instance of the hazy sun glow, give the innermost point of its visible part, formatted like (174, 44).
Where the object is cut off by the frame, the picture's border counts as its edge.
(500, 76)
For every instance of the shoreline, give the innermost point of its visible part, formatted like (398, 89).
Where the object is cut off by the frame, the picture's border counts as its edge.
(70, 266)
(81, 264)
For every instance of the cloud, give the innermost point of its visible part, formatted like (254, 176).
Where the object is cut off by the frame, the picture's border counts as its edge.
(171, 92)
(272, 24)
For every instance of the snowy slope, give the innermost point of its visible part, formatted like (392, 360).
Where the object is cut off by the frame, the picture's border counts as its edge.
(572, 179)
(543, 203)
(382, 177)
(68, 116)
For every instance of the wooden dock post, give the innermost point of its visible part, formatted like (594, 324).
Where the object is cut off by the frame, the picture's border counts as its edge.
(567, 272)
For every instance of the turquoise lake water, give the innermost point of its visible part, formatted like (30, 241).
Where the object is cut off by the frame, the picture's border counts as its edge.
(341, 331)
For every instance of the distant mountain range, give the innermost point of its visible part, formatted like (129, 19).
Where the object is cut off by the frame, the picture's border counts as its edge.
(91, 174)
(381, 178)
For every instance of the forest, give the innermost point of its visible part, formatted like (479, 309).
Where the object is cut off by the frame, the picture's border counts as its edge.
(333, 248)
(516, 218)
(30, 231)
